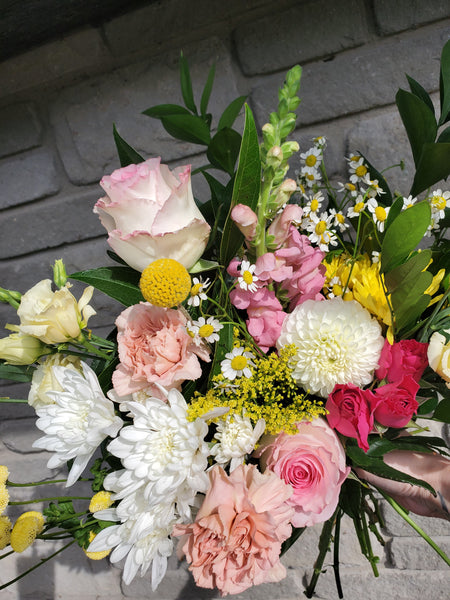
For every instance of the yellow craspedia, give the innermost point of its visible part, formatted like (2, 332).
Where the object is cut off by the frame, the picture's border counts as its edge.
(100, 501)
(25, 530)
(5, 531)
(4, 474)
(4, 498)
(96, 555)
(165, 282)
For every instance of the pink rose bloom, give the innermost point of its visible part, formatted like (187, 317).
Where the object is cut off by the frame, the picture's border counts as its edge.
(396, 402)
(406, 357)
(235, 541)
(245, 219)
(313, 462)
(150, 213)
(351, 412)
(154, 347)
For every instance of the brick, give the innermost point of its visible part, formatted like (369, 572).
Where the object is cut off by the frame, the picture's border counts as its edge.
(28, 176)
(360, 79)
(398, 527)
(18, 436)
(415, 553)
(392, 17)
(300, 34)
(56, 221)
(83, 115)
(20, 128)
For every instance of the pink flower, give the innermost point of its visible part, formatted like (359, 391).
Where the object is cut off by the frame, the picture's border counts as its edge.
(154, 347)
(406, 357)
(264, 325)
(150, 213)
(245, 219)
(351, 412)
(236, 538)
(313, 462)
(396, 402)
(280, 226)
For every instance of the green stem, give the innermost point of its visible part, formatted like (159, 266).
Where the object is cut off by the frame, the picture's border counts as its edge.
(337, 534)
(48, 500)
(46, 482)
(324, 544)
(13, 400)
(6, 554)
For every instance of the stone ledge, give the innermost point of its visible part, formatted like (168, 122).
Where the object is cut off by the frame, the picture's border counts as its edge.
(392, 17)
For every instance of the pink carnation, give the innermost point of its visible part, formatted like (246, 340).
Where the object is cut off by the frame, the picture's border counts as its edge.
(154, 347)
(406, 357)
(236, 538)
(313, 462)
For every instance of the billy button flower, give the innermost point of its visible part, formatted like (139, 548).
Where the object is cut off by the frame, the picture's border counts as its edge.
(165, 282)
(100, 501)
(5, 531)
(26, 528)
(96, 555)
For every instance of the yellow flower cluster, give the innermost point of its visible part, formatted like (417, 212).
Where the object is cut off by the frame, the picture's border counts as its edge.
(5, 531)
(270, 394)
(100, 501)
(165, 282)
(25, 530)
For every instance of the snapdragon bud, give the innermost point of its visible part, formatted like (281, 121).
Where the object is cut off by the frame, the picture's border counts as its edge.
(285, 191)
(274, 157)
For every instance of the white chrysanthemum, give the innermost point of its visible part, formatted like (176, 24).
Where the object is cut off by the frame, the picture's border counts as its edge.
(337, 341)
(236, 438)
(44, 379)
(78, 422)
(162, 451)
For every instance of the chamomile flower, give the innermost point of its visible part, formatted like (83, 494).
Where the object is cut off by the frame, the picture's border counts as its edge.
(310, 176)
(439, 201)
(197, 292)
(247, 279)
(357, 169)
(206, 329)
(237, 363)
(320, 141)
(374, 189)
(379, 213)
(408, 202)
(335, 287)
(348, 188)
(355, 210)
(311, 160)
(320, 232)
(339, 219)
(314, 204)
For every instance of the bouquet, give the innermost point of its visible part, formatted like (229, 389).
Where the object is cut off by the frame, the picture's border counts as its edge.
(275, 345)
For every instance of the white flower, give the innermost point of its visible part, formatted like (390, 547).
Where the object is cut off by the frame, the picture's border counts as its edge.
(310, 176)
(348, 188)
(337, 341)
(78, 422)
(311, 160)
(247, 277)
(375, 256)
(339, 220)
(374, 188)
(439, 354)
(355, 210)
(320, 141)
(314, 204)
(335, 287)
(379, 213)
(439, 201)
(319, 228)
(357, 169)
(44, 379)
(237, 363)
(197, 292)
(236, 438)
(206, 329)
(408, 202)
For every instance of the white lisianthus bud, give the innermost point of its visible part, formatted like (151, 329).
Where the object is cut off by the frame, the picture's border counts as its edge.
(44, 379)
(18, 349)
(59, 273)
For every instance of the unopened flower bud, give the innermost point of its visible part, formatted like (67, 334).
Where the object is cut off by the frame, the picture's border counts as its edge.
(285, 191)
(59, 273)
(246, 220)
(18, 349)
(274, 156)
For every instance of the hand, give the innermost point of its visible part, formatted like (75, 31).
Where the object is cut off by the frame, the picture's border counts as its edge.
(432, 468)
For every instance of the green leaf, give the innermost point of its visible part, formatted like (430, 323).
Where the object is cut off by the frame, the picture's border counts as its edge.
(231, 112)
(224, 345)
(428, 406)
(350, 498)
(189, 128)
(434, 165)
(420, 92)
(296, 533)
(223, 150)
(120, 283)
(22, 373)
(404, 234)
(246, 187)
(442, 412)
(375, 174)
(207, 90)
(395, 210)
(186, 84)
(165, 110)
(444, 136)
(445, 84)
(408, 313)
(419, 121)
(127, 154)
(203, 265)
(407, 271)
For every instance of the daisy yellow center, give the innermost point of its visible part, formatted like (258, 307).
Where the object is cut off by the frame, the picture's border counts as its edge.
(314, 204)
(165, 282)
(340, 218)
(361, 171)
(380, 213)
(238, 363)
(302, 188)
(206, 330)
(195, 289)
(354, 158)
(310, 160)
(337, 289)
(310, 176)
(320, 227)
(351, 187)
(247, 277)
(358, 207)
(439, 202)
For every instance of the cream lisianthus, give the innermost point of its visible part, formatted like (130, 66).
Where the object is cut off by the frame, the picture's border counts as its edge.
(439, 355)
(20, 349)
(44, 379)
(54, 317)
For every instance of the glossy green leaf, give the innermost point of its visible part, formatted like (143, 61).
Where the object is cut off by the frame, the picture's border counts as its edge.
(223, 346)
(21, 373)
(207, 90)
(164, 110)
(186, 84)
(394, 211)
(419, 121)
(445, 84)
(442, 412)
(203, 265)
(246, 187)
(428, 406)
(223, 150)
(404, 234)
(120, 283)
(127, 154)
(433, 166)
(375, 174)
(231, 113)
(420, 92)
(444, 136)
(409, 270)
(188, 128)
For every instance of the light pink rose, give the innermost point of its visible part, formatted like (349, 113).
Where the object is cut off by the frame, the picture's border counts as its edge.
(154, 347)
(396, 402)
(245, 219)
(406, 357)
(313, 462)
(150, 213)
(236, 538)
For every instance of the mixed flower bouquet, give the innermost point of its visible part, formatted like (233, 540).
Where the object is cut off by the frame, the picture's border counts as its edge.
(276, 342)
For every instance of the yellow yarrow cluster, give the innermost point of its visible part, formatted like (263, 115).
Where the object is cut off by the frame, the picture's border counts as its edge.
(165, 282)
(26, 528)
(100, 501)
(271, 394)
(96, 555)
(5, 531)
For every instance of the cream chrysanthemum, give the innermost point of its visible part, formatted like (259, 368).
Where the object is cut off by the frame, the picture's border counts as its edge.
(336, 342)
(236, 437)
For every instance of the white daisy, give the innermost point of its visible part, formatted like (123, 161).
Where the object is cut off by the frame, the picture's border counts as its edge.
(357, 169)
(379, 213)
(320, 141)
(237, 363)
(439, 201)
(78, 421)
(337, 342)
(247, 279)
(206, 329)
(348, 188)
(311, 160)
(355, 210)
(236, 438)
(335, 287)
(314, 204)
(408, 202)
(197, 292)
(320, 233)
(374, 188)
(310, 176)
(339, 220)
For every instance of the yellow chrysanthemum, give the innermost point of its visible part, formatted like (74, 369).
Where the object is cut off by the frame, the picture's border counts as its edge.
(26, 528)
(100, 501)
(5, 531)
(4, 498)
(4, 474)
(96, 555)
(165, 282)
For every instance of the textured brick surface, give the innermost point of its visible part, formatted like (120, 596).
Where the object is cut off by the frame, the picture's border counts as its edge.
(20, 128)
(405, 14)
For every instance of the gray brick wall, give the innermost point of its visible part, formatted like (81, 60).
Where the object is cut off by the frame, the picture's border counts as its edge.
(57, 105)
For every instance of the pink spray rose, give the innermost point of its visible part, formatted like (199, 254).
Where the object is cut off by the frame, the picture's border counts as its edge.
(350, 411)
(150, 213)
(396, 402)
(236, 538)
(313, 462)
(406, 357)
(154, 347)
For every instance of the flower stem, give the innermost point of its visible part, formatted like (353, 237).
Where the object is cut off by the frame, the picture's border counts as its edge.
(13, 400)
(48, 500)
(324, 544)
